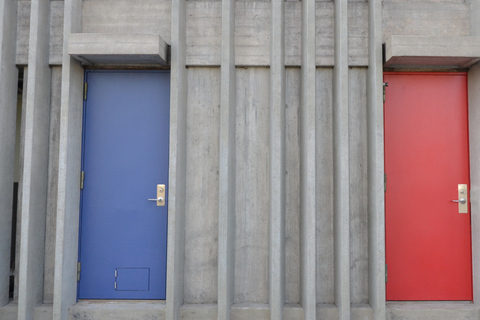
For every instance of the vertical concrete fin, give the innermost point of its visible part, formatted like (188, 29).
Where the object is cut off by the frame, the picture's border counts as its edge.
(277, 160)
(227, 182)
(8, 104)
(376, 206)
(35, 171)
(474, 117)
(308, 162)
(68, 194)
(177, 161)
(341, 175)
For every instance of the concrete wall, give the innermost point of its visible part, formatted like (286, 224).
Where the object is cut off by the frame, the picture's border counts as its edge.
(253, 151)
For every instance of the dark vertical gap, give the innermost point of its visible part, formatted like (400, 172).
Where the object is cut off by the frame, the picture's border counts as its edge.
(16, 185)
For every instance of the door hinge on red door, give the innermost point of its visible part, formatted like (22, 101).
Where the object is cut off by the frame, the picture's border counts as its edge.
(385, 182)
(79, 268)
(385, 84)
(386, 273)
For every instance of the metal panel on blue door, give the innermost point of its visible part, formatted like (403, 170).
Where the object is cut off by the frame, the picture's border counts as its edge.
(123, 236)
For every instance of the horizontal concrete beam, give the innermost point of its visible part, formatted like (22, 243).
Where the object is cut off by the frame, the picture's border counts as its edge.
(439, 52)
(118, 49)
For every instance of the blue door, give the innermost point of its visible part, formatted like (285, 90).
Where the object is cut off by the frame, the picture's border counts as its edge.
(123, 235)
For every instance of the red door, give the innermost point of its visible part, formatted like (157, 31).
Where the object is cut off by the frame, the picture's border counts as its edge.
(428, 244)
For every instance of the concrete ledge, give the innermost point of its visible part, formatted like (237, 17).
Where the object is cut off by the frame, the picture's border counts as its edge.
(198, 311)
(432, 310)
(9, 312)
(293, 312)
(43, 312)
(433, 52)
(118, 310)
(118, 49)
(249, 311)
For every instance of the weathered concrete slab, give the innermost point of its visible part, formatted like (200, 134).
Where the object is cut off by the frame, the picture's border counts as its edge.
(9, 312)
(201, 225)
(432, 311)
(198, 312)
(252, 29)
(43, 312)
(118, 310)
(248, 311)
(118, 49)
(422, 18)
(56, 32)
(451, 52)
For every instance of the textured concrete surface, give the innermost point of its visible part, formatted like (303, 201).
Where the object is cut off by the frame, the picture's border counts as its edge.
(8, 103)
(201, 225)
(9, 312)
(118, 310)
(432, 311)
(199, 152)
(35, 170)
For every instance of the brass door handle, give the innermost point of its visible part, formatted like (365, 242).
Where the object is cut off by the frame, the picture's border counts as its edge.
(160, 195)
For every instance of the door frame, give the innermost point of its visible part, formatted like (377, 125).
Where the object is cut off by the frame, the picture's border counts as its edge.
(473, 82)
(84, 118)
(469, 121)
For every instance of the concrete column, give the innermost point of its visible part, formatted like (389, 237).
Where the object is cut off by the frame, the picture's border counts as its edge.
(177, 162)
(8, 112)
(226, 206)
(376, 198)
(308, 163)
(35, 170)
(68, 195)
(341, 165)
(277, 160)
(474, 118)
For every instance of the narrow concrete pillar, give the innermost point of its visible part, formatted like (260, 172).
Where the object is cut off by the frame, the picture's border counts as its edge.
(474, 118)
(308, 163)
(376, 197)
(8, 112)
(341, 172)
(226, 206)
(177, 161)
(68, 194)
(277, 160)
(35, 170)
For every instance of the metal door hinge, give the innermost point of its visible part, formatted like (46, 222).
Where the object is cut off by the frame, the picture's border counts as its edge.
(85, 90)
(116, 275)
(82, 179)
(386, 273)
(385, 182)
(79, 268)
(385, 84)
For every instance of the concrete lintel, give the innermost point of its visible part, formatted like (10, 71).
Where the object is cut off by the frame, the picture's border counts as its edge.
(118, 49)
(439, 52)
